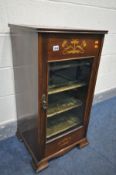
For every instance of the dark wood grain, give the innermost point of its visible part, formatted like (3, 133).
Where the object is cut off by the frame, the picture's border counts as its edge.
(57, 39)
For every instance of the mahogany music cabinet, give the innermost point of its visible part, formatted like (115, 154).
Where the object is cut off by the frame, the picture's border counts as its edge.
(55, 73)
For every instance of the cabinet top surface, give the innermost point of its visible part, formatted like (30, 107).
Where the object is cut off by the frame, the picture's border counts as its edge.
(45, 29)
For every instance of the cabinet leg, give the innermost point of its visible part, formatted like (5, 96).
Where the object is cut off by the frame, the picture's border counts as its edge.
(83, 143)
(40, 166)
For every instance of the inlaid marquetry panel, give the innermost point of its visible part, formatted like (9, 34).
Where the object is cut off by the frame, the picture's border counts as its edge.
(63, 47)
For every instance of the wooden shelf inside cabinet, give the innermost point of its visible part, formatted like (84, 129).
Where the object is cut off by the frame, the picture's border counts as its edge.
(63, 103)
(56, 84)
(65, 88)
(68, 65)
(62, 123)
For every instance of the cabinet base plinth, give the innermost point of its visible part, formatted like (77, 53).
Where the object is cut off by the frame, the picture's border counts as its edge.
(40, 166)
(83, 143)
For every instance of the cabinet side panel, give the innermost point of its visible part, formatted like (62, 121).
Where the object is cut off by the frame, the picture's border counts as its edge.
(25, 64)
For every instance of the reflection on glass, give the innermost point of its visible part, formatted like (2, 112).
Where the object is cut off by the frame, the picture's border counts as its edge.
(67, 89)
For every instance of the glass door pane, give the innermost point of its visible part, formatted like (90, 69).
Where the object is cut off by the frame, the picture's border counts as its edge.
(67, 89)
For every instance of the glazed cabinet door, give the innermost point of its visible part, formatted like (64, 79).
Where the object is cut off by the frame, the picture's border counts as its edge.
(68, 82)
